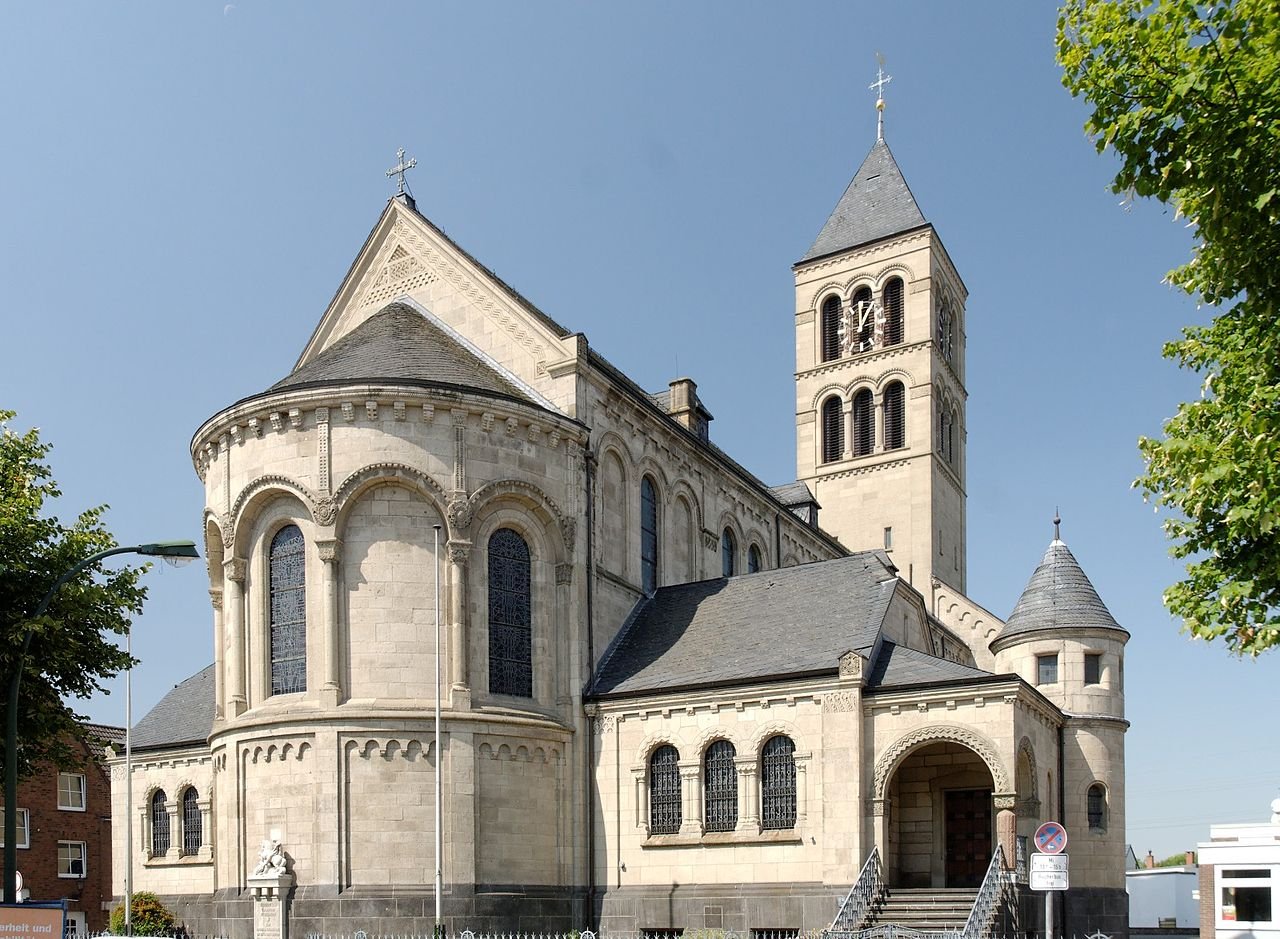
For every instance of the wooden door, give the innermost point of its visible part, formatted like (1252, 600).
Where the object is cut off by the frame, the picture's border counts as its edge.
(968, 836)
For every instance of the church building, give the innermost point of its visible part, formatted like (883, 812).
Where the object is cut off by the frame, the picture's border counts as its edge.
(673, 697)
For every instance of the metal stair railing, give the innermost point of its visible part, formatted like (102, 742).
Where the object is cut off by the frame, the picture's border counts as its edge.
(865, 891)
(990, 898)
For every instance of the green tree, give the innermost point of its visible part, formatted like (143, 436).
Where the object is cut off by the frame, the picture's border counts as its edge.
(70, 651)
(1187, 95)
(149, 917)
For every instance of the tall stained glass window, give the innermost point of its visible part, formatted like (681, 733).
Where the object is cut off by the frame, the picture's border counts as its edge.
(664, 791)
(778, 784)
(192, 822)
(288, 611)
(720, 787)
(648, 536)
(159, 823)
(510, 615)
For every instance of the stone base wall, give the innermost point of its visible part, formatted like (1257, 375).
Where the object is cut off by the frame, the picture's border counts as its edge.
(736, 907)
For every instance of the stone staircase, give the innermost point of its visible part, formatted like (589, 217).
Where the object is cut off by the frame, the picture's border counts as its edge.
(922, 910)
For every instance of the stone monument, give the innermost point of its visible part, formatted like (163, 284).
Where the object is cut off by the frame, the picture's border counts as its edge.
(270, 883)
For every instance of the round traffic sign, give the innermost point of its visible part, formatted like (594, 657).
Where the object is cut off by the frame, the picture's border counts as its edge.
(1051, 838)
(17, 882)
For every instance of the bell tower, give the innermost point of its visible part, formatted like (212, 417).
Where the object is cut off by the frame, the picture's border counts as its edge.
(880, 396)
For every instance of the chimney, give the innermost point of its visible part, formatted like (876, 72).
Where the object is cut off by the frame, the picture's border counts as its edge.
(1149, 862)
(1191, 859)
(684, 406)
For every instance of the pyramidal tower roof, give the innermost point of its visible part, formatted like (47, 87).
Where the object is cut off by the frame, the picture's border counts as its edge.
(877, 204)
(1059, 595)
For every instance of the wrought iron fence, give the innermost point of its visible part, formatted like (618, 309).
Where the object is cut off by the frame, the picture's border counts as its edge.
(862, 896)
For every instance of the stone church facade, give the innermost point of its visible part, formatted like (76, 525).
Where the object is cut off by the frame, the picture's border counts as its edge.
(626, 744)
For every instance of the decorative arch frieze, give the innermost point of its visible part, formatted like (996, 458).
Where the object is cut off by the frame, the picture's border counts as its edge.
(891, 269)
(254, 496)
(379, 473)
(649, 466)
(766, 732)
(279, 752)
(681, 487)
(892, 375)
(710, 736)
(652, 742)
(519, 753)
(391, 748)
(826, 391)
(901, 748)
(610, 440)
(530, 496)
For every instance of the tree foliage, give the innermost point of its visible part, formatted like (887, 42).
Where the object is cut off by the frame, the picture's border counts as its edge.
(1187, 95)
(70, 650)
(149, 917)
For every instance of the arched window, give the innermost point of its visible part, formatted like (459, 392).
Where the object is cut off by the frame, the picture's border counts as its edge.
(664, 791)
(778, 784)
(720, 787)
(864, 423)
(192, 822)
(648, 536)
(943, 432)
(893, 312)
(895, 416)
(753, 560)
(951, 435)
(1097, 807)
(728, 551)
(288, 590)
(830, 328)
(159, 823)
(832, 429)
(945, 327)
(510, 616)
(864, 320)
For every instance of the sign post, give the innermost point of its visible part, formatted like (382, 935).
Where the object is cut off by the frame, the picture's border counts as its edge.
(1049, 868)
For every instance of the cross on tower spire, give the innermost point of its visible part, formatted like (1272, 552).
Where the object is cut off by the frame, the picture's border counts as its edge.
(400, 168)
(878, 86)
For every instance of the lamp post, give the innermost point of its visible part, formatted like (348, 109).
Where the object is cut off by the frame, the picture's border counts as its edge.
(164, 549)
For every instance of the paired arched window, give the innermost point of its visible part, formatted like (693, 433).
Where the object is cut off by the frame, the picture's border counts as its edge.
(1097, 807)
(728, 552)
(753, 560)
(648, 535)
(832, 429)
(720, 787)
(192, 822)
(778, 784)
(893, 312)
(510, 615)
(895, 416)
(830, 328)
(664, 791)
(864, 423)
(288, 589)
(159, 823)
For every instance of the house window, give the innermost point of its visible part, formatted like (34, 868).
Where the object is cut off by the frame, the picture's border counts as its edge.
(192, 822)
(24, 829)
(1244, 900)
(778, 784)
(895, 416)
(664, 791)
(1097, 800)
(720, 782)
(830, 328)
(159, 824)
(288, 590)
(893, 312)
(71, 792)
(753, 560)
(510, 615)
(71, 859)
(864, 423)
(1047, 669)
(832, 429)
(1093, 668)
(728, 551)
(648, 536)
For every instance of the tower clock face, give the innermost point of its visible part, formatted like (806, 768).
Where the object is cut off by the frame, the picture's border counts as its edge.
(860, 327)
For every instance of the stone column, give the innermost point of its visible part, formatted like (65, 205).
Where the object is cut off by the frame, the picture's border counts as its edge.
(459, 555)
(878, 407)
(691, 798)
(880, 809)
(846, 418)
(1005, 804)
(219, 644)
(641, 776)
(330, 629)
(748, 792)
(802, 785)
(233, 572)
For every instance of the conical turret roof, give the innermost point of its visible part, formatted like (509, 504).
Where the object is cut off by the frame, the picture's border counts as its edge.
(877, 204)
(1059, 595)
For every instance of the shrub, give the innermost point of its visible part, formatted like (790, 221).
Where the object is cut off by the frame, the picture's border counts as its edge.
(150, 917)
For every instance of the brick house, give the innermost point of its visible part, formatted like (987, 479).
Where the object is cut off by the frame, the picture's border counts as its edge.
(64, 833)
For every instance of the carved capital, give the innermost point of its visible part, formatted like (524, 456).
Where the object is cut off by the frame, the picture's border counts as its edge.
(569, 532)
(459, 512)
(328, 549)
(228, 534)
(1004, 800)
(879, 807)
(564, 574)
(234, 569)
(215, 597)
(326, 512)
(459, 551)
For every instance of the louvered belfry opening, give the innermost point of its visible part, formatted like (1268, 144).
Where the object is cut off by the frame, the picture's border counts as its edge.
(832, 430)
(893, 312)
(720, 777)
(864, 319)
(864, 426)
(830, 328)
(664, 791)
(895, 427)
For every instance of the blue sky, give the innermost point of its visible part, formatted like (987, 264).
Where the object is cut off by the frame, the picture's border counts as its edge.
(184, 185)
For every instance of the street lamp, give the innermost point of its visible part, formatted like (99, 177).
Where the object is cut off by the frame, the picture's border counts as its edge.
(174, 550)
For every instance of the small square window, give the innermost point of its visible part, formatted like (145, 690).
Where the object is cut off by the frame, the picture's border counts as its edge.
(71, 859)
(24, 829)
(1047, 669)
(1093, 668)
(71, 792)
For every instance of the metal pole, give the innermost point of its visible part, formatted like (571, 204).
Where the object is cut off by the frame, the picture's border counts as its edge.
(1049, 931)
(439, 930)
(128, 786)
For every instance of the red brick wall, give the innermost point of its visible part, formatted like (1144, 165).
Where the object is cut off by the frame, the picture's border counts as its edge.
(38, 863)
(1208, 913)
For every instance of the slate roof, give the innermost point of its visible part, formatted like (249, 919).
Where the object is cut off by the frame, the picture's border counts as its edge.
(1058, 595)
(183, 716)
(786, 622)
(902, 667)
(796, 493)
(399, 344)
(877, 204)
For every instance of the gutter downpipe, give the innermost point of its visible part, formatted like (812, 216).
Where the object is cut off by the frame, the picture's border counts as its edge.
(589, 462)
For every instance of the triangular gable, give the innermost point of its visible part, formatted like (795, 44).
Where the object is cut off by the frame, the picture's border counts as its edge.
(405, 256)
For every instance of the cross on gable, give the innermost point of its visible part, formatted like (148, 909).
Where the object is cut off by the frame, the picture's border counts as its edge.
(400, 168)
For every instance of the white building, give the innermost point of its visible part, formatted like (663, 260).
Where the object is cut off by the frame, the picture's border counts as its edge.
(1240, 880)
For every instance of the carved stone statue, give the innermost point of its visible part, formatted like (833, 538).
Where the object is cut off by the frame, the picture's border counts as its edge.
(271, 858)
